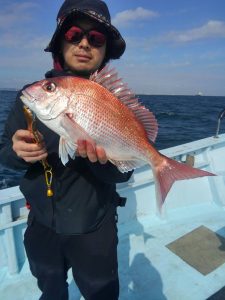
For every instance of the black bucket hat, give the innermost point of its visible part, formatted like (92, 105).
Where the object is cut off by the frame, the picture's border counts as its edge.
(96, 10)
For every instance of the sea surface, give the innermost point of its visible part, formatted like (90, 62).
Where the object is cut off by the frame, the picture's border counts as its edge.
(181, 119)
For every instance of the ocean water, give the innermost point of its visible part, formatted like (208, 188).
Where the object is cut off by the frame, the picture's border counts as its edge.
(181, 119)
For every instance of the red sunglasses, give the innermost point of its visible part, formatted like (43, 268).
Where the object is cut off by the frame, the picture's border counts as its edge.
(95, 38)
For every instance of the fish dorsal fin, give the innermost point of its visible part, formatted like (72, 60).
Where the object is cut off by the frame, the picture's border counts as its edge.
(109, 79)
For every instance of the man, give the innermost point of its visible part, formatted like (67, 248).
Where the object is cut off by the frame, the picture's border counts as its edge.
(76, 227)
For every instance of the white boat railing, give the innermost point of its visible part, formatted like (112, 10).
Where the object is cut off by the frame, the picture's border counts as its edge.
(220, 117)
(13, 214)
(206, 154)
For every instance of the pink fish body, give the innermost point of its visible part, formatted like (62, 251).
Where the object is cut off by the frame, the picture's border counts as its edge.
(105, 112)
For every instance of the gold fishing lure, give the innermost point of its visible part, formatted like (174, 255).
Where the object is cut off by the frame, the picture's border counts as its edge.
(31, 124)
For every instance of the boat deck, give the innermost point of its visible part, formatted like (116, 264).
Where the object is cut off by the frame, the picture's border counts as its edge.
(156, 272)
(148, 268)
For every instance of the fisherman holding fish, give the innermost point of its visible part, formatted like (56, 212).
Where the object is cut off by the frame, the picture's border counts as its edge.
(73, 225)
(90, 132)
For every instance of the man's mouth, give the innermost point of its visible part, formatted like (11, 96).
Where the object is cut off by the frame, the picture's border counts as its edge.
(83, 57)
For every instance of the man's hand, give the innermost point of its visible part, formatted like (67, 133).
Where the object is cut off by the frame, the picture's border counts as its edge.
(26, 148)
(85, 149)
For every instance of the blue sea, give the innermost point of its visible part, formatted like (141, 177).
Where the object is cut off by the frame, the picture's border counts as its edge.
(181, 119)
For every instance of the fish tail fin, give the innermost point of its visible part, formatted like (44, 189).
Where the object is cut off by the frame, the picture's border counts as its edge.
(169, 171)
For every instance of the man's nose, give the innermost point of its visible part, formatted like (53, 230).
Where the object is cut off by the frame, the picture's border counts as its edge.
(84, 42)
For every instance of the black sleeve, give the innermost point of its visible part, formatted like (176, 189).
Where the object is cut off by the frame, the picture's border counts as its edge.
(16, 120)
(108, 172)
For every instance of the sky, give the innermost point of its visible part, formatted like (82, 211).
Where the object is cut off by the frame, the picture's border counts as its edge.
(174, 47)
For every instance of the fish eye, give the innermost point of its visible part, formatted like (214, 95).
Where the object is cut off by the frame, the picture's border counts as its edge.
(49, 86)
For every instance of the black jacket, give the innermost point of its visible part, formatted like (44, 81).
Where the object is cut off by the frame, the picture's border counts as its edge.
(84, 192)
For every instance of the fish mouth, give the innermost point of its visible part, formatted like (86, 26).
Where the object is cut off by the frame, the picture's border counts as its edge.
(27, 97)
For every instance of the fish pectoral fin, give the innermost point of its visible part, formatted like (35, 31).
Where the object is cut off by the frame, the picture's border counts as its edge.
(66, 149)
(126, 166)
(74, 130)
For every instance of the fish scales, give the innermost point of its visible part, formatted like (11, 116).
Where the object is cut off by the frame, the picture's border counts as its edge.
(107, 116)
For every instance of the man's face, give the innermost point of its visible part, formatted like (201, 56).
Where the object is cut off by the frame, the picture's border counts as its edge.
(82, 57)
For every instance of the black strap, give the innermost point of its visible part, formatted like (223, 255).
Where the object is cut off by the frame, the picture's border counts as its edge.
(122, 201)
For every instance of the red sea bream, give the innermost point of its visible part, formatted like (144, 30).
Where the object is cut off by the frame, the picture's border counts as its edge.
(104, 111)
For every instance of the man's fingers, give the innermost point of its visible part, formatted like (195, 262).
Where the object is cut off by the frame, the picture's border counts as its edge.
(86, 149)
(94, 153)
(38, 153)
(82, 148)
(27, 148)
(26, 135)
(102, 158)
(91, 152)
(36, 158)
(22, 134)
